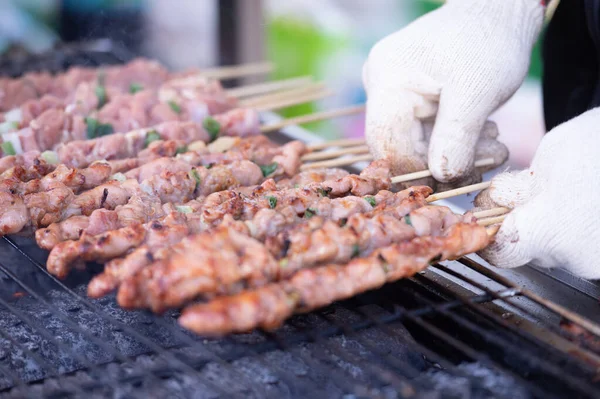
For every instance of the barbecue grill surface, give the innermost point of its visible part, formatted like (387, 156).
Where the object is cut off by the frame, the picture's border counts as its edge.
(416, 338)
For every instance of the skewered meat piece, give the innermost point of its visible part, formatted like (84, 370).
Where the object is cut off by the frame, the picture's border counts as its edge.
(230, 174)
(176, 279)
(174, 186)
(75, 179)
(269, 306)
(139, 73)
(121, 146)
(124, 113)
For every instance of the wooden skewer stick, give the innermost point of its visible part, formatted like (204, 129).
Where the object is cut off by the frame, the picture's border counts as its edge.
(491, 221)
(318, 116)
(238, 71)
(426, 173)
(295, 101)
(318, 156)
(283, 95)
(269, 87)
(338, 143)
(491, 212)
(459, 191)
(492, 230)
(333, 163)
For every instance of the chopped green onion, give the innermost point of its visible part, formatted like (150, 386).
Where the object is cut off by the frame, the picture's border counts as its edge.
(212, 126)
(324, 192)
(343, 222)
(310, 212)
(50, 157)
(355, 250)
(210, 165)
(96, 129)
(8, 149)
(283, 262)
(296, 185)
(194, 175)
(135, 87)
(8, 126)
(152, 136)
(174, 106)
(101, 94)
(101, 77)
(184, 209)
(386, 267)
(181, 150)
(268, 169)
(272, 202)
(119, 177)
(371, 201)
(407, 220)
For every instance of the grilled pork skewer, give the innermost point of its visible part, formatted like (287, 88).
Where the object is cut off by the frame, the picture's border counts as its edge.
(239, 122)
(260, 223)
(124, 113)
(135, 74)
(215, 207)
(235, 173)
(190, 269)
(269, 306)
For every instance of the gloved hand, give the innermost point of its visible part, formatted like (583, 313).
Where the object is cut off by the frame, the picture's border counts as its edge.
(442, 76)
(556, 216)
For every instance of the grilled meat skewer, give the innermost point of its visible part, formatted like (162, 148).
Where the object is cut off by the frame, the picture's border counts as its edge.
(234, 203)
(260, 223)
(230, 173)
(269, 306)
(239, 122)
(190, 268)
(124, 113)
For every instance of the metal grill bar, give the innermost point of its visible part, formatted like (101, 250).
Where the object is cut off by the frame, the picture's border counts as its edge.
(553, 328)
(492, 336)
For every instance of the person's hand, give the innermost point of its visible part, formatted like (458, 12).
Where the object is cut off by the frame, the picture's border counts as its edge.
(432, 85)
(556, 217)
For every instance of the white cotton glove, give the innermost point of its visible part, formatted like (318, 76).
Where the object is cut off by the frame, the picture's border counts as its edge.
(556, 216)
(450, 69)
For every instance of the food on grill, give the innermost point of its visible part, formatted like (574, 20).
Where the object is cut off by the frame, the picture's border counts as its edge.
(222, 171)
(182, 206)
(269, 306)
(239, 122)
(191, 268)
(213, 210)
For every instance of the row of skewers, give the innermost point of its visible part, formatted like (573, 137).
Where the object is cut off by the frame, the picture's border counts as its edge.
(197, 204)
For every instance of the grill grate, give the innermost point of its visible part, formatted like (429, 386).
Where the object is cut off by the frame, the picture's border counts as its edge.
(410, 339)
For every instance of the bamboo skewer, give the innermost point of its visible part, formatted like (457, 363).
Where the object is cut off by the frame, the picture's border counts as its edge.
(459, 191)
(283, 95)
(318, 156)
(269, 87)
(295, 101)
(491, 221)
(318, 116)
(338, 143)
(333, 163)
(427, 173)
(491, 212)
(238, 71)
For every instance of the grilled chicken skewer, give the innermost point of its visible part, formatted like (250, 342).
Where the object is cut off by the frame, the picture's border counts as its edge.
(230, 202)
(222, 171)
(190, 268)
(239, 122)
(171, 102)
(269, 306)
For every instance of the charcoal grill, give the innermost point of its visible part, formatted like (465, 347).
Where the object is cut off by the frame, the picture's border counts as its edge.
(456, 330)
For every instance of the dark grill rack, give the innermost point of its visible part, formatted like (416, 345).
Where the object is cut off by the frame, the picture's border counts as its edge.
(56, 342)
